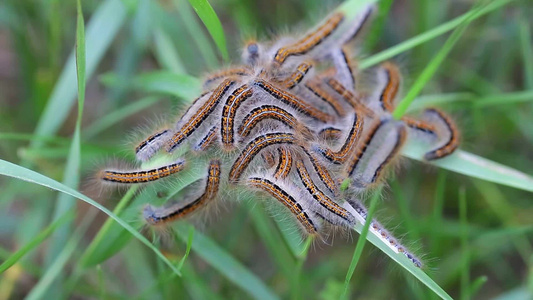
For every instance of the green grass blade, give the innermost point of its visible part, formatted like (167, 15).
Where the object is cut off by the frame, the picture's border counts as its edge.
(527, 52)
(117, 116)
(360, 244)
(101, 31)
(212, 23)
(88, 258)
(12, 170)
(507, 98)
(465, 249)
(405, 263)
(13, 259)
(474, 166)
(166, 53)
(430, 69)
(179, 85)
(227, 265)
(39, 291)
(430, 34)
(71, 175)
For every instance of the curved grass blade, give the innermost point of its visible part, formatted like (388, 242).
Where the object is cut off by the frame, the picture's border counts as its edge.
(405, 263)
(13, 259)
(474, 166)
(101, 31)
(222, 261)
(431, 68)
(430, 34)
(360, 243)
(15, 171)
(71, 176)
(179, 85)
(212, 23)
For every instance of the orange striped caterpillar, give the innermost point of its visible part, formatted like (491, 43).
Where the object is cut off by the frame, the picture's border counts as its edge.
(292, 123)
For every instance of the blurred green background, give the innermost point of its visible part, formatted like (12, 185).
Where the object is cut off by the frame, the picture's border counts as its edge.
(144, 59)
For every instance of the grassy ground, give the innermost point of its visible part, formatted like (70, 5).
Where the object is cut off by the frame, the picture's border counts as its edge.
(472, 225)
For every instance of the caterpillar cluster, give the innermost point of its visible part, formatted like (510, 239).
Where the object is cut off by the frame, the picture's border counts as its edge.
(291, 123)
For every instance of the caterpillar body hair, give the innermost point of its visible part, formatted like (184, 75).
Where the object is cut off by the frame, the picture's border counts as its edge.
(233, 103)
(161, 215)
(297, 76)
(447, 132)
(280, 192)
(189, 125)
(330, 133)
(207, 140)
(361, 214)
(264, 112)
(334, 213)
(216, 77)
(315, 88)
(387, 88)
(268, 158)
(141, 176)
(352, 99)
(357, 25)
(322, 173)
(253, 148)
(284, 166)
(376, 153)
(340, 156)
(309, 41)
(343, 66)
(152, 144)
(293, 101)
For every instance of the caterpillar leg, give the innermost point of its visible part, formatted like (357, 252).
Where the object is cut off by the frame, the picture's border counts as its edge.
(361, 213)
(161, 215)
(147, 148)
(374, 153)
(141, 176)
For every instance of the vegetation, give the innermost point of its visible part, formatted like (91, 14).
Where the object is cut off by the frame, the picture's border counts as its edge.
(77, 78)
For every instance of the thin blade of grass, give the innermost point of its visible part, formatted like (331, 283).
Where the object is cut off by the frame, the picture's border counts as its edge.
(71, 176)
(228, 266)
(474, 166)
(212, 23)
(101, 31)
(431, 68)
(88, 259)
(40, 290)
(179, 85)
(507, 98)
(527, 52)
(465, 249)
(166, 53)
(117, 116)
(41, 237)
(360, 243)
(15, 171)
(429, 35)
